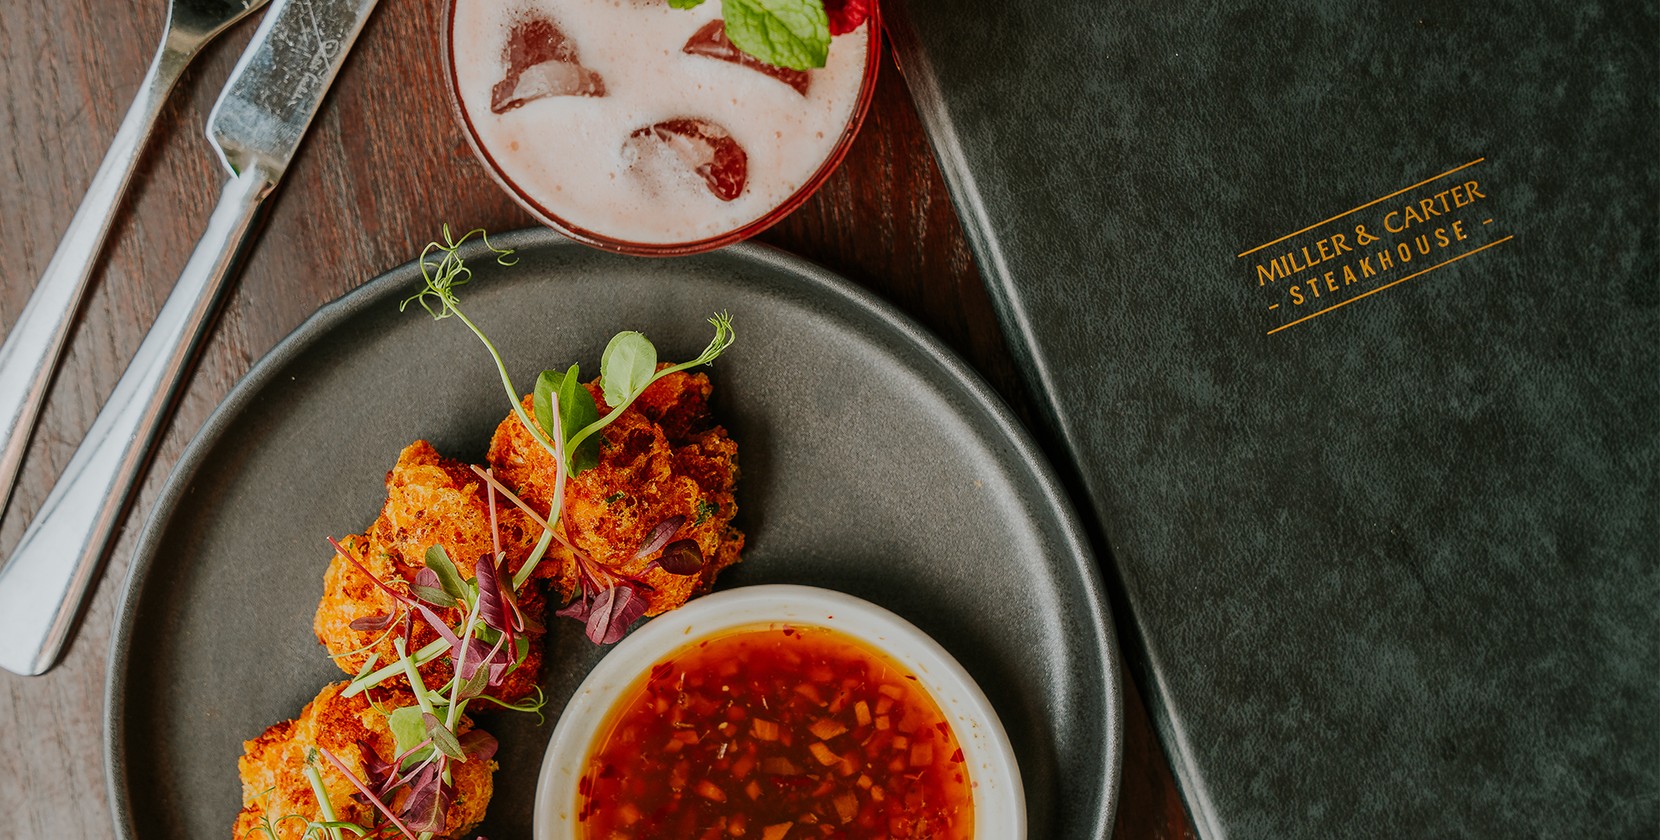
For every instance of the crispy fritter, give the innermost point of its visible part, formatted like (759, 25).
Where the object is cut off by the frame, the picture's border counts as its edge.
(275, 789)
(662, 457)
(430, 500)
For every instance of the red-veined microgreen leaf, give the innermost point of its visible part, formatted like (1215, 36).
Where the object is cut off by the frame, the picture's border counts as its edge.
(478, 745)
(579, 608)
(492, 605)
(522, 622)
(372, 623)
(438, 626)
(378, 771)
(613, 611)
(681, 557)
(660, 536)
(429, 800)
(442, 738)
(495, 660)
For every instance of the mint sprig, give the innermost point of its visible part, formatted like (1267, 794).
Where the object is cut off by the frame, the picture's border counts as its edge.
(784, 33)
(790, 34)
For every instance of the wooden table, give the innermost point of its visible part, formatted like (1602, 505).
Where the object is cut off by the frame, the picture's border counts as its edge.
(382, 168)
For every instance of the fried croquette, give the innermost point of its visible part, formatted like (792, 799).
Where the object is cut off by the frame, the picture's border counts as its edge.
(663, 457)
(430, 500)
(277, 796)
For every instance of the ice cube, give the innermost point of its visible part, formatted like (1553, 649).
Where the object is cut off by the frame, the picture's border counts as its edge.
(541, 62)
(693, 146)
(711, 41)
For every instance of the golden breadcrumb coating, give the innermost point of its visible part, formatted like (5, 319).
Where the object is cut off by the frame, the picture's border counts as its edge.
(430, 500)
(274, 784)
(662, 457)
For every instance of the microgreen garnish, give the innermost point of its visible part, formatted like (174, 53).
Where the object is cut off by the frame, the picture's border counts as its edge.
(627, 366)
(660, 536)
(632, 385)
(577, 410)
(681, 557)
(608, 613)
(323, 803)
(484, 647)
(449, 577)
(363, 789)
(372, 623)
(566, 424)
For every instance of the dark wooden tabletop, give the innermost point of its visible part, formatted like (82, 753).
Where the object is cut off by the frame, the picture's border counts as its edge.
(382, 168)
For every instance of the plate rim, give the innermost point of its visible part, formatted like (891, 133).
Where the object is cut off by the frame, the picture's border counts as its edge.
(338, 311)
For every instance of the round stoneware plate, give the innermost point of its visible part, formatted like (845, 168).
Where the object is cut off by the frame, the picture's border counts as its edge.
(874, 462)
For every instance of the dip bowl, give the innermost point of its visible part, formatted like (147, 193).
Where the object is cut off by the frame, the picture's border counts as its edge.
(998, 800)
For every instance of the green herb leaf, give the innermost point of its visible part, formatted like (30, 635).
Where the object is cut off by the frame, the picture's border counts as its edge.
(577, 410)
(705, 509)
(435, 597)
(541, 399)
(442, 738)
(408, 729)
(439, 562)
(626, 367)
(784, 33)
(685, 4)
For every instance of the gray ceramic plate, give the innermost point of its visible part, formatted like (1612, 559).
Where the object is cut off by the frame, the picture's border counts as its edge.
(874, 462)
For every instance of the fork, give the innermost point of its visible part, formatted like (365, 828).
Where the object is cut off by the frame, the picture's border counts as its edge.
(30, 354)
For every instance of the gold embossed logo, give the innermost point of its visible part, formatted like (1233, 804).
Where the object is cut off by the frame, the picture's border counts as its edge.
(1378, 245)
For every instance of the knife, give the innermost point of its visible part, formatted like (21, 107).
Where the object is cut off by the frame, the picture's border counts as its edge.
(255, 127)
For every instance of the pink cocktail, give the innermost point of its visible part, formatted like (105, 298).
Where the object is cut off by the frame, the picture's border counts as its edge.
(637, 127)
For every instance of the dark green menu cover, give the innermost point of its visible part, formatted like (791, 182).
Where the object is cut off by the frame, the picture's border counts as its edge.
(1346, 314)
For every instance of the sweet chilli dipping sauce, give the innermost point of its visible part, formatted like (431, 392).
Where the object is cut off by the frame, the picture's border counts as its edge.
(777, 733)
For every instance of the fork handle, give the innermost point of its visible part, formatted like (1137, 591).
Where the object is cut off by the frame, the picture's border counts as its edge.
(42, 584)
(31, 351)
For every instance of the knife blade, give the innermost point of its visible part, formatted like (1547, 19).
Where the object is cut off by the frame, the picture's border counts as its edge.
(255, 127)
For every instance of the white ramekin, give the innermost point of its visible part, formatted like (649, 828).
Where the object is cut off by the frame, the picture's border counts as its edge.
(999, 800)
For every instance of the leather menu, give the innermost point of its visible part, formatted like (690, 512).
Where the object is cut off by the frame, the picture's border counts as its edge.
(1346, 317)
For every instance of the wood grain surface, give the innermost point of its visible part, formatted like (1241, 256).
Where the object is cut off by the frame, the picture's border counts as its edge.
(382, 168)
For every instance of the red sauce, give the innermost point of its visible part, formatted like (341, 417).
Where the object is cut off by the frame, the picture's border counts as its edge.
(778, 734)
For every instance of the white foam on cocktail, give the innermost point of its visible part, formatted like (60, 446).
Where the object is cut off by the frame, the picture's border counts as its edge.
(570, 153)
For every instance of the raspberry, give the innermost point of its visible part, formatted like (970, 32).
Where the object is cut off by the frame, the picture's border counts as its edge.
(847, 15)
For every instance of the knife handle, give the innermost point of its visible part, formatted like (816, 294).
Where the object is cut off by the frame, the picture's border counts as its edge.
(31, 351)
(42, 584)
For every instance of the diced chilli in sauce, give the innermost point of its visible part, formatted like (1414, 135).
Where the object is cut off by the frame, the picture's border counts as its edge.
(777, 734)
